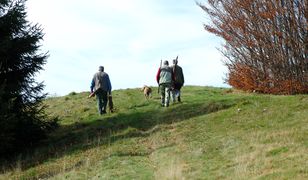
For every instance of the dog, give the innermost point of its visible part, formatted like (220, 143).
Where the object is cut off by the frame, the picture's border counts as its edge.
(147, 91)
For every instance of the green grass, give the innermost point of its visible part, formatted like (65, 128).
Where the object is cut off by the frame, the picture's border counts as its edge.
(215, 133)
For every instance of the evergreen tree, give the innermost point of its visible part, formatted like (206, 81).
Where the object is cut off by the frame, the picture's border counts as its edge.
(22, 118)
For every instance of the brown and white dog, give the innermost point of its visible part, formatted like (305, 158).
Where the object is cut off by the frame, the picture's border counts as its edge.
(147, 91)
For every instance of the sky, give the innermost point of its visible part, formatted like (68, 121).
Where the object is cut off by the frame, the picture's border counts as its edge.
(128, 37)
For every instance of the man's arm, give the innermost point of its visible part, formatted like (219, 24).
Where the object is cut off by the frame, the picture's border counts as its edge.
(182, 74)
(109, 88)
(173, 76)
(158, 76)
(92, 85)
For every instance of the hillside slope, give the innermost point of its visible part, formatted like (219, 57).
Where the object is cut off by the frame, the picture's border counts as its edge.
(214, 134)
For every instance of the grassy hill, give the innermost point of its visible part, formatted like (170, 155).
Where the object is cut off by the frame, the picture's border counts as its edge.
(214, 134)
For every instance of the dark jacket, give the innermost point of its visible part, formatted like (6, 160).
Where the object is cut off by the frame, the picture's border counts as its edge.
(178, 74)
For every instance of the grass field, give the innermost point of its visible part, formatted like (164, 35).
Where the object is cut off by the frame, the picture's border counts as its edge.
(215, 133)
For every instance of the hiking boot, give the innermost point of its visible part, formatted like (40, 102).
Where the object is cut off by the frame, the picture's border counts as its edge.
(179, 99)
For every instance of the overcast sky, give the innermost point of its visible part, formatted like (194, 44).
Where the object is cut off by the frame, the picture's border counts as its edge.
(127, 37)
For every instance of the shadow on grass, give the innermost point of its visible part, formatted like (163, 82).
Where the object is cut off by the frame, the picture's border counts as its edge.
(83, 136)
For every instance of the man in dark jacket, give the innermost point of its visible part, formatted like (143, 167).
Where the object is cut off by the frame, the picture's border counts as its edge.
(101, 87)
(164, 78)
(178, 80)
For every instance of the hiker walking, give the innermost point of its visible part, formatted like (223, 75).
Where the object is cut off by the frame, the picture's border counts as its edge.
(178, 80)
(164, 78)
(101, 87)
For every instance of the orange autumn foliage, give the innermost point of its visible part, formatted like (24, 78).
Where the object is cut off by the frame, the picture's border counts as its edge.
(266, 43)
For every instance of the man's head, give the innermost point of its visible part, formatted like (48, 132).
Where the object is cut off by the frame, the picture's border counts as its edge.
(166, 63)
(101, 68)
(175, 61)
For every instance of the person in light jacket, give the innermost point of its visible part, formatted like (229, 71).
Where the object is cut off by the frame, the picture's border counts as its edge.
(164, 78)
(101, 87)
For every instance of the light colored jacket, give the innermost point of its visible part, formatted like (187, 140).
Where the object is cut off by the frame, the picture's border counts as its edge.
(164, 75)
(101, 81)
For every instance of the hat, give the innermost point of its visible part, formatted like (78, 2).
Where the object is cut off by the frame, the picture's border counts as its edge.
(166, 62)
